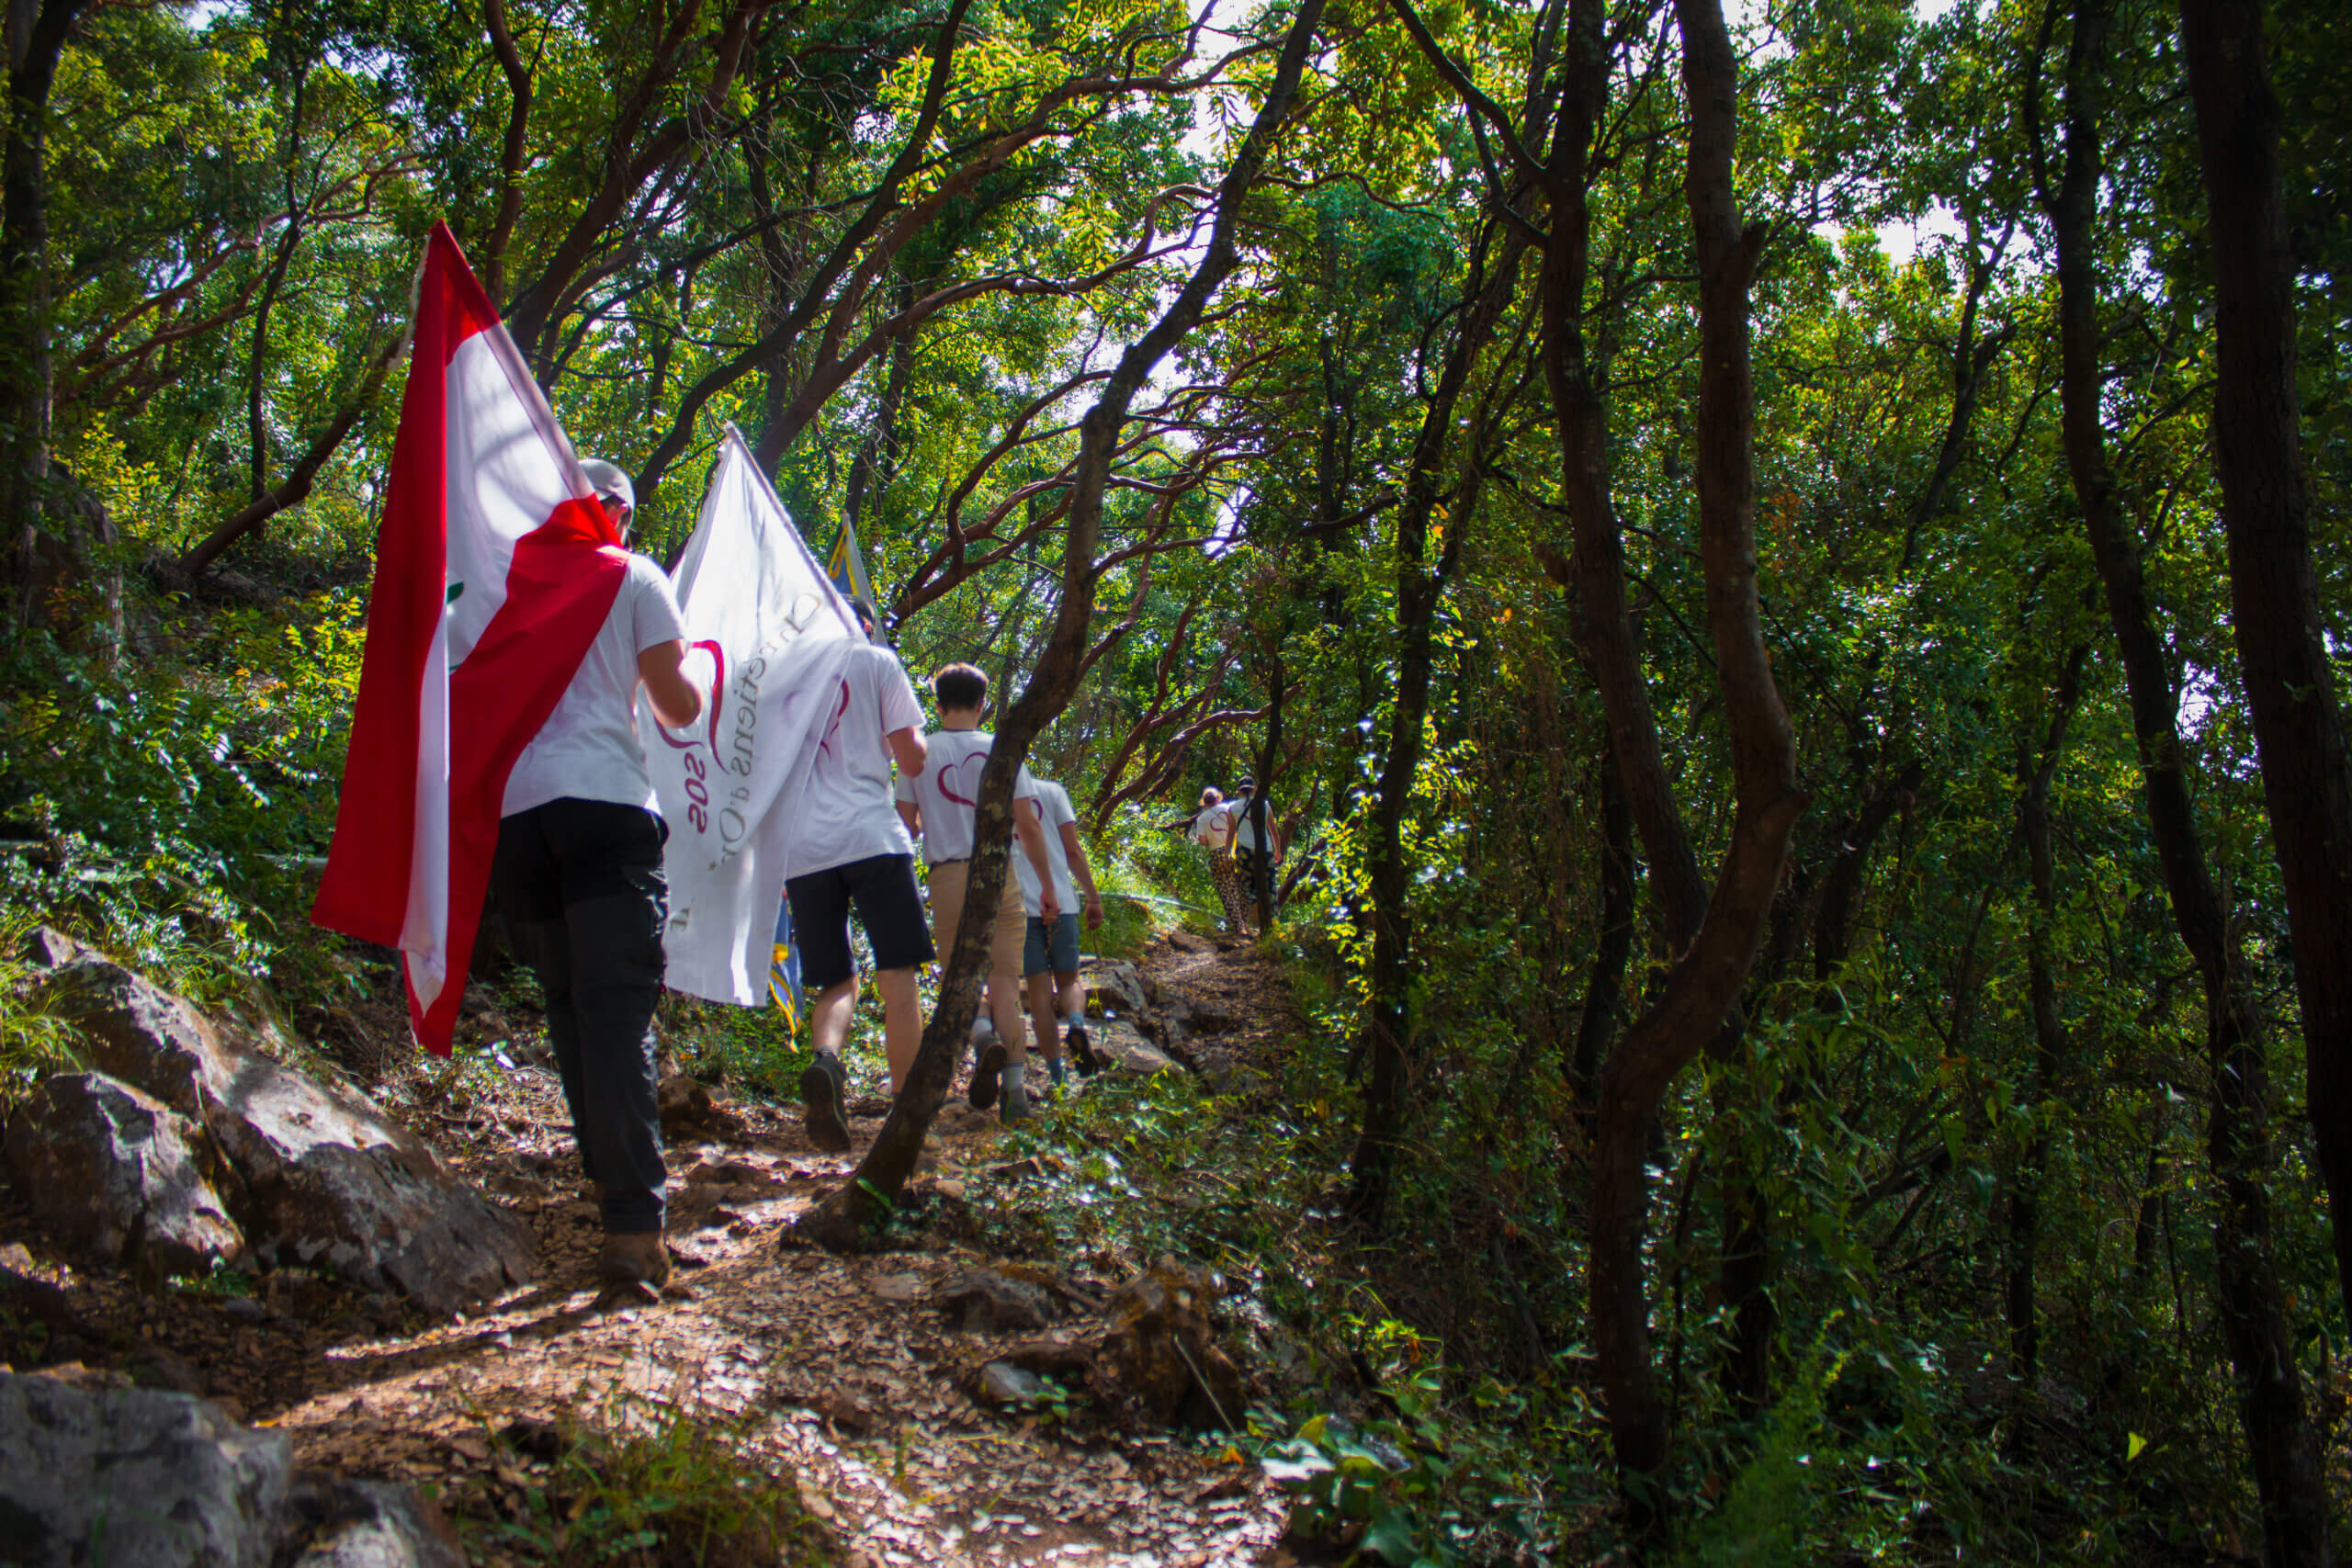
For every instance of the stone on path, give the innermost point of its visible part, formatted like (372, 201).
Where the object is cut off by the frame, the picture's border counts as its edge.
(1002, 1382)
(1119, 986)
(326, 1179)
(996, 1301)
(1123, 1050)
(367, 1524)
(115, 1175)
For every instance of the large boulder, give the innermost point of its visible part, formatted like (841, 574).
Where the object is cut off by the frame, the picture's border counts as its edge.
(126, 1475)
(116, 1175)
(326, 1178)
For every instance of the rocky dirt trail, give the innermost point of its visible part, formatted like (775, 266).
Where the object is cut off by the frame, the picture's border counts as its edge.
(846, 1370)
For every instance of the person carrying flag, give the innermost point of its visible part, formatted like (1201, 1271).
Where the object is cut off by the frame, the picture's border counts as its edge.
(578, 873)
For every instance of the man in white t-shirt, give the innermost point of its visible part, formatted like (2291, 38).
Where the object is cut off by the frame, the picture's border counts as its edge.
(939, 804)
(1248, 863)
(849, 850)
(578, 878)
(1049, 950)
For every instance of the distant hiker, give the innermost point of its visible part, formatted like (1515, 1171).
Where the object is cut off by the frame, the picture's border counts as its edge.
(1212, 829)
(1049, 953)
(943, 798)
(850, 850)
(1247, 866)
(578, 875)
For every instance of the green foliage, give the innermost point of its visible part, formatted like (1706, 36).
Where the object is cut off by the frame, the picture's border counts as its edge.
(650, 1483)
(33, 1043)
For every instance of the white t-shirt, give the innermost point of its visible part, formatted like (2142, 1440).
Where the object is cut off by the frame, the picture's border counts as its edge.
(1054, 809)
(845, 812)
(1213, 828)
(949, 787)
(588, 747)
(1244, 836)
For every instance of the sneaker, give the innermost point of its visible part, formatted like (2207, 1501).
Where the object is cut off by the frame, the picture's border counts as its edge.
(821, 1091)
(1016, 1102)
(634, 1259)
(1082, 1051)
(1054, 1071)
(987, 1073)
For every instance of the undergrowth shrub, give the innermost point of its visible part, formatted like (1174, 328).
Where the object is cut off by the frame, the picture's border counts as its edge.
(640, 1484)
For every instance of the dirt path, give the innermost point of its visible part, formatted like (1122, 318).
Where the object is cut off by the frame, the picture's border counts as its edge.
(839, 1369)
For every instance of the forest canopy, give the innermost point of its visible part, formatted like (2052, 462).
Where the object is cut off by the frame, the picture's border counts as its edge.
(1784, 571)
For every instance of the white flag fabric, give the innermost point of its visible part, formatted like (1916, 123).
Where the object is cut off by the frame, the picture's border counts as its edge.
(770, 635)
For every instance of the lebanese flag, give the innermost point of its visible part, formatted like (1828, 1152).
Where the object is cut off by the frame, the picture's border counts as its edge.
(496, 568)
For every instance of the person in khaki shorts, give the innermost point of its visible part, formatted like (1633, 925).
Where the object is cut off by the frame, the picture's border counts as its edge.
(938, 804)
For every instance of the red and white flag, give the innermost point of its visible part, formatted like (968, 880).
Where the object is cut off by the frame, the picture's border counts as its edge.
(495, 567)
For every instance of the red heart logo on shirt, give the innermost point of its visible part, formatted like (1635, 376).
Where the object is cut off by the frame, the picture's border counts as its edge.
(965, 772)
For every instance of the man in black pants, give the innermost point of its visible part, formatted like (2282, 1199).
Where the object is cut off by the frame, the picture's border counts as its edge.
(579, 879)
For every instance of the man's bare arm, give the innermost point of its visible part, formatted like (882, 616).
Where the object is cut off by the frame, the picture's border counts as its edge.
(1029, 828)
(908, 749)
(1084, 872)
(677, 702)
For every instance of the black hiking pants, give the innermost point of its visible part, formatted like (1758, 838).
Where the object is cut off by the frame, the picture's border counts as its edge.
(581, 884)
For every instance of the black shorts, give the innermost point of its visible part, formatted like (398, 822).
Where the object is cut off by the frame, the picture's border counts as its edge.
(1245, 861)
(890, 906)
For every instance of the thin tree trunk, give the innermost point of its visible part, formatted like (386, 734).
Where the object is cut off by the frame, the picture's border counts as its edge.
(2274, 589)
(36, 36)
(2049, 1028)
(1704, 986)
(1604, 992)
(2254, 1320)
(1388, 1024)
(842, 1219)
(1267, 762)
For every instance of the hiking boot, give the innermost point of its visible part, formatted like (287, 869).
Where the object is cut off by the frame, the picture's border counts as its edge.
(1082, 1051)
(1016, 1102)
(637, 1259)
(821, 1091)
(987, 1073)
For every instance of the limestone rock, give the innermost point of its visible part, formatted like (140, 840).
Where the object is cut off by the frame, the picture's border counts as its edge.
(340, 1523)
(326, 1177)
(118, 1177)
(1002, 1382)
(996, 1301)
(161, 1479)
(1120, 986)
(1161, 1349)
(1123, 1050)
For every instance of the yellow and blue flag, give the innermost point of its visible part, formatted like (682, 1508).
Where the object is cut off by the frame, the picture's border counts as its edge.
(846, 566)
(784, 975)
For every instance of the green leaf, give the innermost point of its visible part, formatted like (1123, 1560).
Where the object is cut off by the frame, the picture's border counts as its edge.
(2133, 1444)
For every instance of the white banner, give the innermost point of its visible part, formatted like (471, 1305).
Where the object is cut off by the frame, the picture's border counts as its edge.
(770, 634)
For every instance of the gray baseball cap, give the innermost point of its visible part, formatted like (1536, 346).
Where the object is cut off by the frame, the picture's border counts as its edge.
(607, 480)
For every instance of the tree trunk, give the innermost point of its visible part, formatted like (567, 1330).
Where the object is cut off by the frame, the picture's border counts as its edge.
(1267, 762)
(842, 1219)
(1603, 994)
(2274, 589)
(2253, 1320)
(1388, 1026)
(1703, 986)
(2035, 773)
(37, 30)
